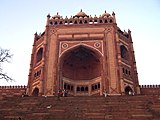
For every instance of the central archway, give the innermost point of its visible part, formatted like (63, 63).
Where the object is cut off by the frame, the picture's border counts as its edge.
(81, 70)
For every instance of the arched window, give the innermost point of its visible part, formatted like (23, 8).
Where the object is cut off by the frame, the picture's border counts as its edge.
(75, 22)
(78, 89)
(85, 21)
(123, 70)
(86, 88)
(105, 21)
(39, 55)
(124, 52)
(95, 86)
(35, 92)
(55, 23)
(61, 22)
(101, 21)
(98, 85)
(82, 88)
(80, 22)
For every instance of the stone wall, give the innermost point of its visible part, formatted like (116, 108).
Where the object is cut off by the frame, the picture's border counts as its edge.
(10, 91)
(150, 89)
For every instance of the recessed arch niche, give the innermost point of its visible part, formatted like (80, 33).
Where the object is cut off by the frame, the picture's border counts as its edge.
(124, 52)
(81, 63)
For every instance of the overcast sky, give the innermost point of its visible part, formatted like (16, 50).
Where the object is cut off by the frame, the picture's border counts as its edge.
(20, 19)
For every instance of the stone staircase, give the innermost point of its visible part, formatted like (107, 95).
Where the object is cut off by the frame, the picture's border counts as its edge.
(81, 108)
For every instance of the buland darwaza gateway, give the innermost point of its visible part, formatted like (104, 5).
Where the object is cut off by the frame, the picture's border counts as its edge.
(83, 54)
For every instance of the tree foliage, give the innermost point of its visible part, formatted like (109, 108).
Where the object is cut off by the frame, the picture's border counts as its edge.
(5, 56)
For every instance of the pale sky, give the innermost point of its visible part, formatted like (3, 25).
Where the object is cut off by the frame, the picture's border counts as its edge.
(20, 19)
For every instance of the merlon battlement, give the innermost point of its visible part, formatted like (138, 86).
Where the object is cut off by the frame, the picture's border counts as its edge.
(149, 86)
(81, 18)
(13, 87)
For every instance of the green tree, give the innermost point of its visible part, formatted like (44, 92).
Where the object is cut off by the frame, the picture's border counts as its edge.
(5, 56)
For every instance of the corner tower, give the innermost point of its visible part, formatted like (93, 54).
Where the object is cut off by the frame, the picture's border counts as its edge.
(83, 54)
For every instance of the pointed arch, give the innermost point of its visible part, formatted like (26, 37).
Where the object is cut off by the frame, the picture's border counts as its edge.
(81, 63)
(99, 53)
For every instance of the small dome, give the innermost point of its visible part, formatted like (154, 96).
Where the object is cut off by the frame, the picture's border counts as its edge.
(81, 14)
(85, 17)
(90, 16)
(95, 16)
(66, 17)
(56, 16)
(105, 14)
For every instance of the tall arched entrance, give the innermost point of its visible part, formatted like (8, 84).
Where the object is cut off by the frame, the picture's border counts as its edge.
(81, 71)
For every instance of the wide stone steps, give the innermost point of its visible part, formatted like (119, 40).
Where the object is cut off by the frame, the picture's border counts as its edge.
(81, 108)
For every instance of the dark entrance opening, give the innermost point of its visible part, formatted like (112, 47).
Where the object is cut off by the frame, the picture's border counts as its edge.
(35, 92)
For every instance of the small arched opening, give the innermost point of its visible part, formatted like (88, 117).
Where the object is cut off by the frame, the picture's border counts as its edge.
(39, 55)
(35, 92)
(128, 90)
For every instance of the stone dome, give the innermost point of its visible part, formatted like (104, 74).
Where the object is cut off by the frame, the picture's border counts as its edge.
(57, 16)
(81, 14)
(105, 14)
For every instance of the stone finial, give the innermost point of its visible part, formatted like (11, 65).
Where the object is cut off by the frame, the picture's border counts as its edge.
(129, 31)
(113, 14)
(35, 34)
(71, 17)
(48, 17)
(125, 33)
(66, 17)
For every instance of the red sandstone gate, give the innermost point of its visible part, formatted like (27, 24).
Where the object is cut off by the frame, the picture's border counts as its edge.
(83, 54)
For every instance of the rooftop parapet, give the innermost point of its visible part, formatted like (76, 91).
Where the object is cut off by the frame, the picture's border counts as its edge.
(81, 18)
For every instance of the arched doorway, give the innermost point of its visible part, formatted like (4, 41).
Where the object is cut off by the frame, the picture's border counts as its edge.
(128, 90)
(81, 68)
(35, 92)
